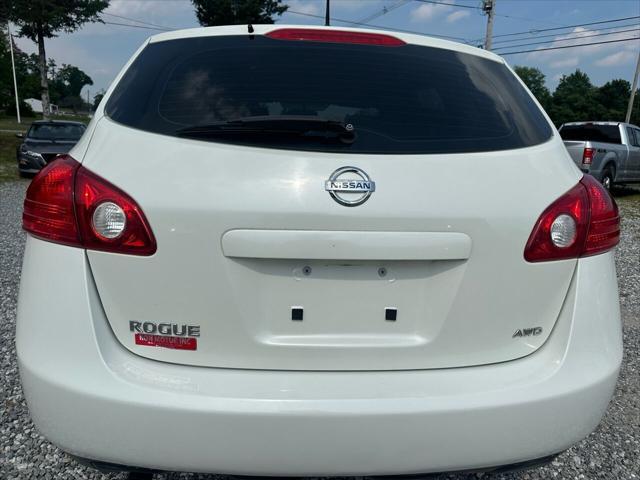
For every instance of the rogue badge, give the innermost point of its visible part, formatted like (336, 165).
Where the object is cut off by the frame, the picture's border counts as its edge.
(350, 186)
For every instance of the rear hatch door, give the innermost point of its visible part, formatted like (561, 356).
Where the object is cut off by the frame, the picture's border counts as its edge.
(277, 273)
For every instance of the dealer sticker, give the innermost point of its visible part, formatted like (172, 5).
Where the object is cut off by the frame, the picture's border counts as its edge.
(177, 343)
(166, 335)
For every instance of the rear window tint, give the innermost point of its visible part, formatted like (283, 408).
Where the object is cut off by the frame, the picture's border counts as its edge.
(408, 99)
(56, 131)
(592, 133)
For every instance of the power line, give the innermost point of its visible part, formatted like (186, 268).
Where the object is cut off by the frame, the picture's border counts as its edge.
(382, 12)
(341, 20)
(535, 37)
(455, 5)
(526, 19)
(134, 20)
(570, 46)
(136, 26)
(569, 38)
(567, 26)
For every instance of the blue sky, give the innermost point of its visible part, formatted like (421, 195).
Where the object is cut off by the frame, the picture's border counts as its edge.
(101, 50)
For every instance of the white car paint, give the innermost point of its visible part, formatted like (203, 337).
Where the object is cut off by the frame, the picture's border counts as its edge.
(97, 400)
(447, 292)
(343, 392)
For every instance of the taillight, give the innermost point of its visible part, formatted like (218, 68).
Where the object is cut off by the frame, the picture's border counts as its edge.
(67, 203)
(583, 222)
(48, 207)
(604, 224)
(335, 36)
(587, 156)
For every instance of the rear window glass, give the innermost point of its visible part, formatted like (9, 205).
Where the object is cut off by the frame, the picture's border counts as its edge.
(51, 131)
(407, 99)
(592, 133)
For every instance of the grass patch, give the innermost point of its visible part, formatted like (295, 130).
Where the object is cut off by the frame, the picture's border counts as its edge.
(8, 123)
(9, 142)
(8, 163)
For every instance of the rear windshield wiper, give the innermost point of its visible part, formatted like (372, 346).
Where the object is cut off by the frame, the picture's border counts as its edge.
(299, 126)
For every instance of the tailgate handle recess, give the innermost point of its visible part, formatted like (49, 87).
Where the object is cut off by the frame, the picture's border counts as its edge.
(346, 245)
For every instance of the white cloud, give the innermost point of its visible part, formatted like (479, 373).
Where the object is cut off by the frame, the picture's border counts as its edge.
(428, 11)
(310, 8)
(459, 15)
(578, 36)
(147, 7)
(349, 4)
(162, 12)
(616, 59)
(609, 54)
(65, 50)
(572, 61)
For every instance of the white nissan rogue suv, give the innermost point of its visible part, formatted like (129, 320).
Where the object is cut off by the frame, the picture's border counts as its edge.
(297, 251)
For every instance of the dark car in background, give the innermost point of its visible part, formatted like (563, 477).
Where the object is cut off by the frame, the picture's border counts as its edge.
(44, 141)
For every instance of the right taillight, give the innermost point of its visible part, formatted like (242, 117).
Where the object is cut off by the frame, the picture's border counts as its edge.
(587, 156)
(67, 203)
(583, 222)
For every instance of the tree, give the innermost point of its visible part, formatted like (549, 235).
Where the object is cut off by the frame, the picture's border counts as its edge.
(576, 99)
(28, 74)
(40, 19)
(73, 79)
(237, 12)
(635, 112)
(534, 79)
(6, 80)
(614, 97)
(97, 98)
(73, 102)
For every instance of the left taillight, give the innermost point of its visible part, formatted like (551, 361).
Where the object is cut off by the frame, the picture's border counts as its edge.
(68, 204)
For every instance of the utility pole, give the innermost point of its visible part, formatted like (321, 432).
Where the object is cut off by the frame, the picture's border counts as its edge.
(13, 66)
(327, 16)
(488, 7)
(633, 91)
(88, 104)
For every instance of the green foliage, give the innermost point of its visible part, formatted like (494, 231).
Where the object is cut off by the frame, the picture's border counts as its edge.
(73, 79)
(534, 79)
(72, 102)
(47, 17)
(6, 80)
(97, 98)
(27, 74)
(25, 110)
(40, 19)
(635, 113)
(577, 99)
(65, 83)
(237, 12)
(614, 97)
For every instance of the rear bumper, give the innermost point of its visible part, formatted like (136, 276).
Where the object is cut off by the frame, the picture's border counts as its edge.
(96, 400)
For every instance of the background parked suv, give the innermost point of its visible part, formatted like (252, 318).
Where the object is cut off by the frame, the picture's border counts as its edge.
(45, 140)
(610, 151)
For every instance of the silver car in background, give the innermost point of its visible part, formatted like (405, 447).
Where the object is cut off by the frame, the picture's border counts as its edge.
(610, 151)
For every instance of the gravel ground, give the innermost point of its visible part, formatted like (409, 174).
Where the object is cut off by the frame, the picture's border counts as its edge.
(611, 452)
